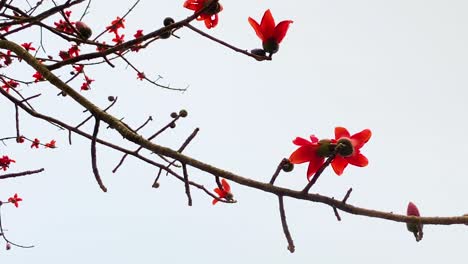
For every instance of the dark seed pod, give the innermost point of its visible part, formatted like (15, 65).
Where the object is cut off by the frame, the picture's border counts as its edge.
(168, 21)
(183, 113)
(174, 115)
(111, 98)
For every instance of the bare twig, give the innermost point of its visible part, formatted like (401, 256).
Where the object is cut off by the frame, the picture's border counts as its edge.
(278, 170)
(19, 174)
(94, 158)
(187, 185)
(291, 246)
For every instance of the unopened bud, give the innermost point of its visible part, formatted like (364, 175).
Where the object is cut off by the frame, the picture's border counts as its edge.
(414, 227)
(183, 113)
(287, 166)
(168, 21)
(83, 29)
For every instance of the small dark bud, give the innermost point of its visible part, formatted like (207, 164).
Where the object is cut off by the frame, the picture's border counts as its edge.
(111, 98)
(258, 52)
(183, 113)
(287, 166)
(172, 125)
(174, 115)
(83, 29)
(156, 185)
(168, 21)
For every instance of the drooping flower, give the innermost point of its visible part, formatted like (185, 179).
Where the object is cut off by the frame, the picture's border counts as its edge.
(15, 200)
(35, 143)
(5, 162)
(225, 192)
(270, 34)
(138, 34)
(51, 144)
(209, 16)
(308, 151)
(415, 228)
(349, 149)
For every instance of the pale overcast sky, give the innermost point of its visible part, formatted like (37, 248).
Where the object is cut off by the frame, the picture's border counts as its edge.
(395, 67)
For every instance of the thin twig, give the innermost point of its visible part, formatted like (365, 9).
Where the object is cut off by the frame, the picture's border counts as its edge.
(318, 173)
(19, 174)
(291, 246)
(348, 193)
(187, 185)
(93, 156)
(278, 170)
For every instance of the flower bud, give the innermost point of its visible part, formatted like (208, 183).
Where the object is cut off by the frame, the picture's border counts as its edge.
(287, 166)
(168, 21)
(258, 52)
(83, 29)
(183, 113)
(345, 148)
(415, 228)
(174, 115)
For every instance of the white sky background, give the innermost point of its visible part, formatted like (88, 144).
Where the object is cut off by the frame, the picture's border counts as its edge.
(396, 67)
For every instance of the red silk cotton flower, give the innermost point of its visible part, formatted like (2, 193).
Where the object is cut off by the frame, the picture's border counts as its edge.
(270, 34)
(225, 192)
(350, 152)
(308, 151)
(15, 200)
(210, 15)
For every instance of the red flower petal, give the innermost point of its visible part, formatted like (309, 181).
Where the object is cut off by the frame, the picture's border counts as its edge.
(214, 201)
(219, 192)
(267, 26)
(412, 209)
(303, 142)
(358, 160)
(314, 165)
(361, 138)
(341, 132)
(304, 154)
(225, 185)
(256, 27)
(339, 164)
(280, 30)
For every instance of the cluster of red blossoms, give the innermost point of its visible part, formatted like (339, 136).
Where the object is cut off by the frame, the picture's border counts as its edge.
(344, 146)
(269, 33)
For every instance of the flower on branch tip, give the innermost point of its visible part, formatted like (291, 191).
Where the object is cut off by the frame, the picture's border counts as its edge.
(35, 143)
(348, 151)
(118, 39)
(5, 162)
(415, 228)
(210, 15)
(308, 151)
(86, 85)
(51, 144)
(27, 46)
(138, 34)
(224, 192)
(15, 200)
(270, 34)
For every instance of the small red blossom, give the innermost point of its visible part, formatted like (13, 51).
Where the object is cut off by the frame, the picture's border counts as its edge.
(86, 85)
(209, 16)
(5, 28)
(64, 55)
(35, 143)
(20, 139)
(118, 39)
(78, 68)
(38, 77)
(270, 34)
(225, 192)
(51, 144)
(10, 84)
(74, 51)
(138, 34)
(5, 162)
(27, 46)
(308, 151)
(68, 13)
(353, 144)
(8, 246)
(15, 200)
(63, 26)
(141, 75)
(7, 60)
(115, 25)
